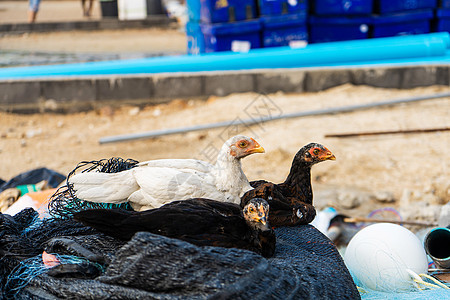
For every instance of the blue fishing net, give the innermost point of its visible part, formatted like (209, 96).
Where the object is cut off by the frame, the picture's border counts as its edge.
(30, 268)
(429, 290)
(436, 293)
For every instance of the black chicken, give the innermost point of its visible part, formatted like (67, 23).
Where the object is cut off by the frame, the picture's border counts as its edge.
(202, 222)
(291, 202)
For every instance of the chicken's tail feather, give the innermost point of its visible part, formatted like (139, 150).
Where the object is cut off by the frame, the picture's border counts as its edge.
(108, 221)
(104, 187)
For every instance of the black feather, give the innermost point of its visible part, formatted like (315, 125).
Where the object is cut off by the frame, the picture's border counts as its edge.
(202, 222)
(291, 202)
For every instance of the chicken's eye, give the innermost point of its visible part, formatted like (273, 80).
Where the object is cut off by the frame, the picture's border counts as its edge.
(252, 209)
(243, 144)
(316, 151)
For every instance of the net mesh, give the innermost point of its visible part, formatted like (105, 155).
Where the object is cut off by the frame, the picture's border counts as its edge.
(31, 268)
(424, 287)
(64, 203)
(429, 293)
(156, 267)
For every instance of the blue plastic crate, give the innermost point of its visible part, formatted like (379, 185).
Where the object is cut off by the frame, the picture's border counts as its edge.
(220, 37)
(281, 30)
(442, 21)
(342, 7)
(390, 6)
(195, 38)
(444, 3)
(222, 11)
(279, 7)
(331, 29)
(413, 22)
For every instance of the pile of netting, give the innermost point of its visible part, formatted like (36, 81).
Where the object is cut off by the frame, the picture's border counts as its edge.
(91, 265)
(64, 203)
(87, 264)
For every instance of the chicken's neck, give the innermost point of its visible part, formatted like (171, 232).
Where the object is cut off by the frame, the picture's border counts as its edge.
(299, 179)
(229, 176)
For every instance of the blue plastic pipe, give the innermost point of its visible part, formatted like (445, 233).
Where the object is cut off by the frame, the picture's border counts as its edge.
(445, 36)
(324, 54)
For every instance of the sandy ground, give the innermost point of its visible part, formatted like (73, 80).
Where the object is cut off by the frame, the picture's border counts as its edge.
(49, 11)
(386, 163)
(107, 41)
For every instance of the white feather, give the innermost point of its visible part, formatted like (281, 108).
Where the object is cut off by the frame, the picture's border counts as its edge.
(104, 187)
(193, 164)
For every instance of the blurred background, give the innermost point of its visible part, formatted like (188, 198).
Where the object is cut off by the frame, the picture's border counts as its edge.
(62, 33)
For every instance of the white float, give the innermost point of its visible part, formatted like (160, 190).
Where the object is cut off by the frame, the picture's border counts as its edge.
(382, 256)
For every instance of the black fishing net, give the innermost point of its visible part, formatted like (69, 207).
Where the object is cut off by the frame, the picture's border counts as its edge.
(64, 203)
(24, 237)
(306, 265)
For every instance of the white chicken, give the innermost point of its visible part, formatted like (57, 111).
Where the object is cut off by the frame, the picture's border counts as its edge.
(154, 183)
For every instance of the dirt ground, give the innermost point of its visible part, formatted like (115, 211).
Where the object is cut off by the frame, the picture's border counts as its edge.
(394, 163)
(49, 11)
(148, 40)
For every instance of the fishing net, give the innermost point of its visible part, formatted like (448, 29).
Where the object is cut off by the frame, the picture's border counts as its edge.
(32, 267)
(23, 238)
(426, 288)
(149, 266)
(64, 203)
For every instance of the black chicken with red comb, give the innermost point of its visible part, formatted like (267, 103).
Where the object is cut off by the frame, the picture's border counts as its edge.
(291, 202)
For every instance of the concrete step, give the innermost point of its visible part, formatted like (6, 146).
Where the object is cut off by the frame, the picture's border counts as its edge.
(106, 23)
(84, 93)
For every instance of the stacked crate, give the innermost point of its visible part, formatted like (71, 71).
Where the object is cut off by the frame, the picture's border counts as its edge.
(222, 25)
(284, 22)
(338, 20)
(240, 25)
(395, 17)
(442, 16)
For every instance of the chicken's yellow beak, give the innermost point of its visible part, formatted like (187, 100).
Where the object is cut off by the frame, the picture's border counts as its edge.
(257, 148)
(328, 156)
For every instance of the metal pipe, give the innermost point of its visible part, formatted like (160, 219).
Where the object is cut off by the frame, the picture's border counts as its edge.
(437, 246)
(345, 135)
(248, 122)
(372, 220)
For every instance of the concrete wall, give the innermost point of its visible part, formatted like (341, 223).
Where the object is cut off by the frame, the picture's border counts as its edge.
(150, 21)
(69, 94)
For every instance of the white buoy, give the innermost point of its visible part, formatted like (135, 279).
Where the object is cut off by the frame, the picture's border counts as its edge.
(382, 256)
